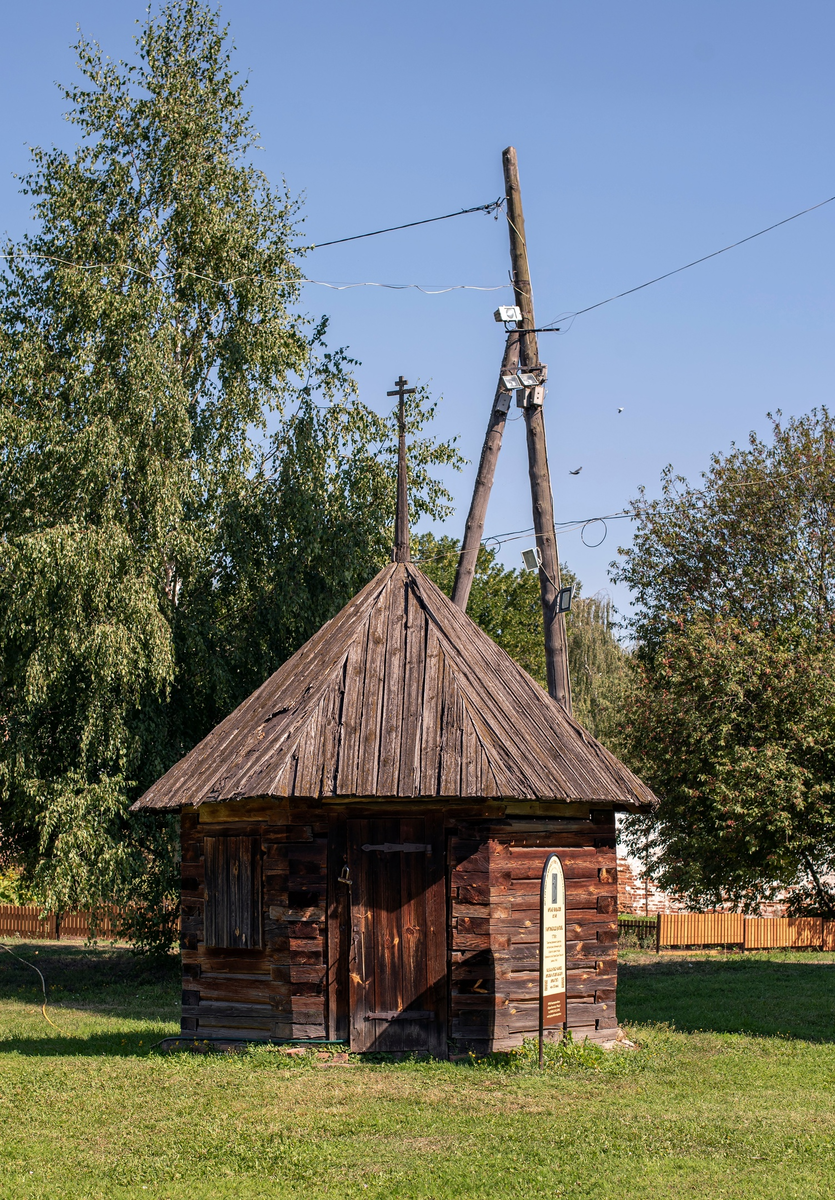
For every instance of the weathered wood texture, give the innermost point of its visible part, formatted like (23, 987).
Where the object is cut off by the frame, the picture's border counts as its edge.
(278, 989)
(233, 903)
(556, 645)
(495, 873)
(401, 695)
(474, 527)
(479, 978)
(398, 954)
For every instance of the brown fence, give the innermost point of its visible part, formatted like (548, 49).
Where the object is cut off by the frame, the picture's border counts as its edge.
(24, 921)
(773, 932)
(641, 926)
(700, 929)
(752, 933)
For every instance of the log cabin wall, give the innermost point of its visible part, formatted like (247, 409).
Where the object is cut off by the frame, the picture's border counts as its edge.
(495, 873)
(275, 990)
(295, 984)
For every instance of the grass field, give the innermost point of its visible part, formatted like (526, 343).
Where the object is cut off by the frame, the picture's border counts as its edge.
(731, 1094)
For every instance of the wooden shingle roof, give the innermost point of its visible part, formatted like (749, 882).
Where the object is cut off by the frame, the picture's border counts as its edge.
(399, 695)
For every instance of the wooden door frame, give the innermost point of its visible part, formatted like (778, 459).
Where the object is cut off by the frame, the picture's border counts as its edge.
(339, 923)
(338, 932)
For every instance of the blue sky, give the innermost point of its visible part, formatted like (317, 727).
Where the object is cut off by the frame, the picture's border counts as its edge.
(648, 134)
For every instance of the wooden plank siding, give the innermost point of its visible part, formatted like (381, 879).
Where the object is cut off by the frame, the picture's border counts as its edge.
(276, 990)
(295, 984)
(233, 900)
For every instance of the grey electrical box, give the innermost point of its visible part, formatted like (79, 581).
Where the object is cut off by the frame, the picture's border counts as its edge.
(503, 402)
(530, 397)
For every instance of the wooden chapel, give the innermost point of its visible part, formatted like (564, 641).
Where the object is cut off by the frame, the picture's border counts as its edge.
(363, 839)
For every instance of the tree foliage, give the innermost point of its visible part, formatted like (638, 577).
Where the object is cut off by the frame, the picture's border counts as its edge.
(506, 604)
(733, 718)
(160, 550)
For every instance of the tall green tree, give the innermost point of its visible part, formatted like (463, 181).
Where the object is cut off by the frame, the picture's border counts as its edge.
(507, 605)
(733, 716)
(159, 552)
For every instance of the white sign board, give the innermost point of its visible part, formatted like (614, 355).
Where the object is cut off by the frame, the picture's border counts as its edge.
(552, 944)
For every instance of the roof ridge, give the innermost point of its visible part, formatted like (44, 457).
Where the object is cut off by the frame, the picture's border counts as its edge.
(400, 694)
(612, 765)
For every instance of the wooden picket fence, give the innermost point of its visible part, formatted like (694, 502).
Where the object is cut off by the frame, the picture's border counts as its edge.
(25, 921)
(751, 933)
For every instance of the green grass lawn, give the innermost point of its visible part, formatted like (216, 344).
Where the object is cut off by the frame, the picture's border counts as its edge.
(730, 1095)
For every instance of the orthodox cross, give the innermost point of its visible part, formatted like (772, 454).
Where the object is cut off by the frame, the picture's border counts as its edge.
(401, 520)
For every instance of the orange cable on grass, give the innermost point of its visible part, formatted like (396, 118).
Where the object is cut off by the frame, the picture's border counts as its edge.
(44, 1013)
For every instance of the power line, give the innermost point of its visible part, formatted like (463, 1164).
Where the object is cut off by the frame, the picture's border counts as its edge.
(516, 535)
(427, 288)
(493, 206)
(695, 262)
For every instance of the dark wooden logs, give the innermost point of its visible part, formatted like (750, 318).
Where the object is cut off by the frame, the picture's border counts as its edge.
(494, 928)
(295, 985)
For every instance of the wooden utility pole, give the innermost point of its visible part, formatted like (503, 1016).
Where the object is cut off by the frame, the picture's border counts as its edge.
(556, 648)
(474, 529)
(402, 551)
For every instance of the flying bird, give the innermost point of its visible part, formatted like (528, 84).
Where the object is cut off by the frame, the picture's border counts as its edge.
(577, 472)
(620, 410)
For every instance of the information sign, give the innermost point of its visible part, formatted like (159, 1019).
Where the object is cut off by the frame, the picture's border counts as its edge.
(552, 978)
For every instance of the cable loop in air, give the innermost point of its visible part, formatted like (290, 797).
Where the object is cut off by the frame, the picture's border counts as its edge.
(594, 521)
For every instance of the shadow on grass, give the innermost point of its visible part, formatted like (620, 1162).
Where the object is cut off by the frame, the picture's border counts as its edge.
(96, 1046)
(99, 980)
(92, 972)
(740, 995)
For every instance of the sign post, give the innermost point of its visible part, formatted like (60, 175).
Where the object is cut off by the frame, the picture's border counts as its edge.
(552, 967)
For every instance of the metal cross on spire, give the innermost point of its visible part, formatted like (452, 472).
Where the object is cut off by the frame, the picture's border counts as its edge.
(401, 521)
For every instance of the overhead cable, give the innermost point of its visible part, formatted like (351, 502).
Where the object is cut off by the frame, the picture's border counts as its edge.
(427, 288)
(694, 263)
(492, 207)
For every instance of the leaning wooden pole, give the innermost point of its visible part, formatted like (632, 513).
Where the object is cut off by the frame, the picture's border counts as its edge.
(474, 529)
(556, 648)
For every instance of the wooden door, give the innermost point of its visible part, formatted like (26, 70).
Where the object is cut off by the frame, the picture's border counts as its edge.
(397, 959)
